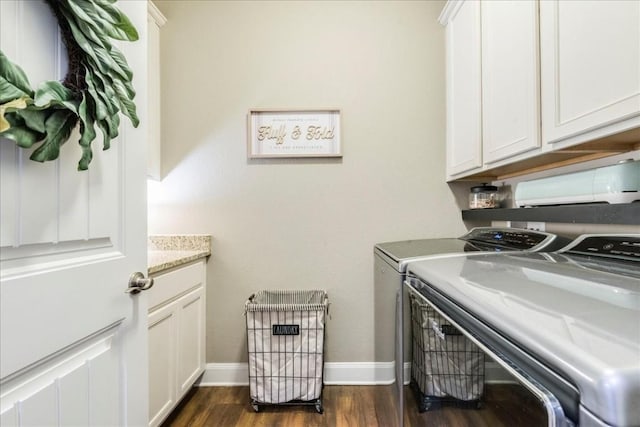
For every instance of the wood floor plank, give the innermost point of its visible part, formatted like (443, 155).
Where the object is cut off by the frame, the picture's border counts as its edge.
(352, 406)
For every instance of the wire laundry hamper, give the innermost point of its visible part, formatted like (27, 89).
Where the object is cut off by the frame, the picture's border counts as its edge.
(447, 368)
(285, 342)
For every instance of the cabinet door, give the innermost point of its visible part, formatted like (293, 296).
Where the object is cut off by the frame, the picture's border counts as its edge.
(162, 363)
(155, 20)
(464, 130)
(510, 88)
(191, 339)
(590, 62)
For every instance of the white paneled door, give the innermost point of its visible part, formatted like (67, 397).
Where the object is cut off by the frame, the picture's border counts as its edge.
(73, 343)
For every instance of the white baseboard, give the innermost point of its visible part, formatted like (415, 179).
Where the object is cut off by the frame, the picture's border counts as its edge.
(219, 374)
(493, 374)
(358, 373)
(496, 374)
(337, 373)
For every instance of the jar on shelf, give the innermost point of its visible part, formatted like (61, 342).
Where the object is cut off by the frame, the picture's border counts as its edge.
(484, 196)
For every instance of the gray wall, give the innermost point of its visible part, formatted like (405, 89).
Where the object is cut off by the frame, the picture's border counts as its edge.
(302, 223)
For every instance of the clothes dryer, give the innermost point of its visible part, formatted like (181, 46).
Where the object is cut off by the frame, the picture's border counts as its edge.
(390, 264)
(566, 325)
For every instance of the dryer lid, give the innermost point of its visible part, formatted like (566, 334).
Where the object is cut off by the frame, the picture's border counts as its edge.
(583, 322)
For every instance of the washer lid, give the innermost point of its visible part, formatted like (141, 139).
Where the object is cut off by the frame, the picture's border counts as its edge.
(583, 322)
(488, 239)
(408, 249)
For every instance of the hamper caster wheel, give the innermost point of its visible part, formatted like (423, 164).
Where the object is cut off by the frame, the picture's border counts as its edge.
(255, 407)
(319, 408)
(428, 404)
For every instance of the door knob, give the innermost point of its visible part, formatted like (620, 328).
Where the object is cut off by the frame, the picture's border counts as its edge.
(138, 283)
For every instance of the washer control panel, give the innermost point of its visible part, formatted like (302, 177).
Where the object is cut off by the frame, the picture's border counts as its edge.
(508, 238)
(624, 247)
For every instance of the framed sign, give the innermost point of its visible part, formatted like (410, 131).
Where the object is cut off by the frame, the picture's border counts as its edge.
(293, 133)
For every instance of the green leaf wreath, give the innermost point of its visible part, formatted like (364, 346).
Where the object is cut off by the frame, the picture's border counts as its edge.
(96, 89)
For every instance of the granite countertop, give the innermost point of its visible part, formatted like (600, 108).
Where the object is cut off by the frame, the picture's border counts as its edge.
(168, 251)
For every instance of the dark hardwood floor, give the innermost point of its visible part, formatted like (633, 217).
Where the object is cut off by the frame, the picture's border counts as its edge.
(353, 406)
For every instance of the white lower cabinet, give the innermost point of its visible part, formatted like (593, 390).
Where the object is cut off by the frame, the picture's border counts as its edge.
(176, 337)
(190, 339)
(162, 363)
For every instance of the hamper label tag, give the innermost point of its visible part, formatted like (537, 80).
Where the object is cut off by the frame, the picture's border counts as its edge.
(286, 329)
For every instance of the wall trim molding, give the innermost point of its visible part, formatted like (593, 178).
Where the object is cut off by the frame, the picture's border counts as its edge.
(336, 373)
(359, 373)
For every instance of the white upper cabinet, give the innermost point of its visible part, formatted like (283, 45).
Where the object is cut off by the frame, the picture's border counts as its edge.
(493, 90)
(510, 83)
(155, 20)
(533, 85)
(590, 68)
(464, 130)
